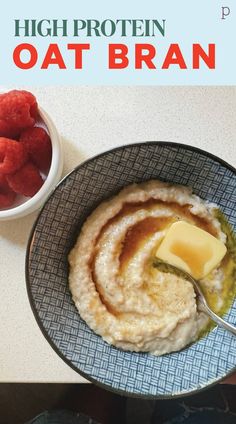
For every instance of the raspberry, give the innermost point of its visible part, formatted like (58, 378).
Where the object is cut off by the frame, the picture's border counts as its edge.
(12, 155)
(31, 100)
(7, 195)
(38, 145)
(18, 110)
(26, 181)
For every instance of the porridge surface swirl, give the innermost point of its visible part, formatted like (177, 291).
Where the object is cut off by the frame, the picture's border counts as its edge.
(114, 285)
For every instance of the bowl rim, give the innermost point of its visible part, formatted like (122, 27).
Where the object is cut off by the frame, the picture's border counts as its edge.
(31, 299)
(32, 203)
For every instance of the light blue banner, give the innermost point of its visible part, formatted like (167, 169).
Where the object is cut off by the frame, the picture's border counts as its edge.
(187, 22)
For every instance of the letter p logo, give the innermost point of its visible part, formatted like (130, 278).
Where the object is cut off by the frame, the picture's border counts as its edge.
(225, 11)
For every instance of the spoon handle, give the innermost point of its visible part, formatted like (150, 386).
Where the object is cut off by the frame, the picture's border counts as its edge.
(218, 320)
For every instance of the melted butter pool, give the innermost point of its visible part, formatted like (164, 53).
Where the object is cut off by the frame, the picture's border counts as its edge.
(220, 301)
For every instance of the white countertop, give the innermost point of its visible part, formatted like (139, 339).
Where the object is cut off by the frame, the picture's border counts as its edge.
(91, 120)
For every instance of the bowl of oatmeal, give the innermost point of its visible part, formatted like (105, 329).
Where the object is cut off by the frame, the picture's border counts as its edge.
(107, 311)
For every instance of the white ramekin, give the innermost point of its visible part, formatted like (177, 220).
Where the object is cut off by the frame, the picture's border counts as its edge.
(53, 177)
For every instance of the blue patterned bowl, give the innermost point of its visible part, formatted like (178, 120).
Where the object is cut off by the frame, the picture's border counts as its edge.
(138, 374)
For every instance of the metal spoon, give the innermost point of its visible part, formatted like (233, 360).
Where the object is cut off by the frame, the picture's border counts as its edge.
(203, 306)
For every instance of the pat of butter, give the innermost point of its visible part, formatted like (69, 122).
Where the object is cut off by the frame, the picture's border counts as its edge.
(191, 249)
